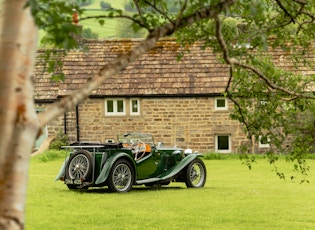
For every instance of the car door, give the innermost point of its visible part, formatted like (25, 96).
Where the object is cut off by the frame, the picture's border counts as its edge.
(147, 167)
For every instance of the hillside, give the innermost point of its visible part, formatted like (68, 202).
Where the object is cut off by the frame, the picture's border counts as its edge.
(113, 28)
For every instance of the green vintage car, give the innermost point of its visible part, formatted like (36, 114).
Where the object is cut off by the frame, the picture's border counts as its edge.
(133, 160)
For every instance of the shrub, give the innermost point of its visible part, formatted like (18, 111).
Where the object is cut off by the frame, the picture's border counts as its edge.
(89, 34)
(60, 140)
(50, 155)
(105, 5)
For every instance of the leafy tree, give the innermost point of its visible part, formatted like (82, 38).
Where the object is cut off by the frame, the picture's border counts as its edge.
(89, 34)
(83, 2)
(60, 140)
(266, 97)
(105, 5)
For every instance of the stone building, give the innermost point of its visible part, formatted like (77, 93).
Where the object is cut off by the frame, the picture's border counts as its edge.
(179, 102)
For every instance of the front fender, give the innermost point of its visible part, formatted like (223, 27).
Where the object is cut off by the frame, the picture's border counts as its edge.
(180, 166)
(62, 171)
(108, 165)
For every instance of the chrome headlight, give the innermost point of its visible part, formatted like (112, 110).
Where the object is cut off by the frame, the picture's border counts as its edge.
(188, 151)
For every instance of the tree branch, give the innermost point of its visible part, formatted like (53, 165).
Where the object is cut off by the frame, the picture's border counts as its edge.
(285, 11)
(138, 8)
(234, 61)
(158, 10)
(122, 62)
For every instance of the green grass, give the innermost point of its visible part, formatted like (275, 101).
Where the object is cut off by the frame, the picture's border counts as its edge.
(119, 4)
(233, 198)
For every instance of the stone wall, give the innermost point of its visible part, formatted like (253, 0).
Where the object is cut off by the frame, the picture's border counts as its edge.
(185, 122)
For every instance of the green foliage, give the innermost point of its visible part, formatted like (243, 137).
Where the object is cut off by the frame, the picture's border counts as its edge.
(89, 34)
(60, 140)
(82, 3)
(213, 156)
(220, 156)
(50, 155)
(55, 17)
(248, 160)
(105, 5)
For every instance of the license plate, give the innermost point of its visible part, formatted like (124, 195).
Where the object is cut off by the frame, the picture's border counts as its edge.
(71, 181)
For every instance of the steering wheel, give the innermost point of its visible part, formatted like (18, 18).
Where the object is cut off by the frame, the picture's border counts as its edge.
(139, 149)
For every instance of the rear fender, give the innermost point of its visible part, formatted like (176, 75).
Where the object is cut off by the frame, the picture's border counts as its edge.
(62, 171)
(108, 165)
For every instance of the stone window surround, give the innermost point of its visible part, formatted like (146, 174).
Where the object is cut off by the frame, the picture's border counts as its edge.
(216, 107)
(125, 112)
(217, 150)
(264, 145)
(115, 107)
(137, 113)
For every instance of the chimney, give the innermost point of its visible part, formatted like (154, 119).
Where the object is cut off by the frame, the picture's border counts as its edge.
(75, 21)
(75, 17)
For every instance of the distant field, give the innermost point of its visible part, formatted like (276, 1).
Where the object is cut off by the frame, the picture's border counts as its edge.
(233, 198)
(113, 28)
(95, 4)
(110, 28)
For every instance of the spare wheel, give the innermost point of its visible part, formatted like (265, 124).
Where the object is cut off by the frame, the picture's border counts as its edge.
(80, 165)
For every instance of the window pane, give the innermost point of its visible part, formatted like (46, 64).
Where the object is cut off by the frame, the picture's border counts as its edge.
(264, 140)
(221, 103)
(120, 106)
(134, 106)
(223, 143)
(110, 106)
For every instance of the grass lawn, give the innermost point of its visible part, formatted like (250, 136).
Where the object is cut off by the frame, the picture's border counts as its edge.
(233, 198)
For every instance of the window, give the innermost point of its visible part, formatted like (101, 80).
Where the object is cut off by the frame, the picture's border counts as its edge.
(134, 106)
(223, 143)
(115, 107)
(264, 142)
(109, 141)
(221, 104)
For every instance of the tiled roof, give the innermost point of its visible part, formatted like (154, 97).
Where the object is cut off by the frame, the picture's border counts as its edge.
(44, 87)
(156, 73)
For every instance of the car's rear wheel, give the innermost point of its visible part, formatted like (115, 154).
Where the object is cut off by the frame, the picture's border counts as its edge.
(121, 176)
(72, 186)
(196, 174)
(79, 168)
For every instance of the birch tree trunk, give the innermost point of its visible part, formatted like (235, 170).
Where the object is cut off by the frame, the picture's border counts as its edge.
(18, 121)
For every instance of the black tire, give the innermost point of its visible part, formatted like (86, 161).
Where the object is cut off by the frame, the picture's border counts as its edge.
(72, 186)
(121, 176)
(196, 174)
(79, 167)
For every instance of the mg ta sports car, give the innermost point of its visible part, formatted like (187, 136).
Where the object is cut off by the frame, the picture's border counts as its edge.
(133, 160)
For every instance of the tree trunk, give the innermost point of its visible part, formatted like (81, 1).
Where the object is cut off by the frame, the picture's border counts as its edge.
(18, 121)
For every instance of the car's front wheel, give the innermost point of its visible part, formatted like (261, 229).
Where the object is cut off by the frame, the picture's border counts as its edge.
(196, 174)
(121, 177)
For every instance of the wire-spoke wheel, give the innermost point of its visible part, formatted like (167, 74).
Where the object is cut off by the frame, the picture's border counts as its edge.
(196, 174)
(121, 176)
(79, 167)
